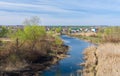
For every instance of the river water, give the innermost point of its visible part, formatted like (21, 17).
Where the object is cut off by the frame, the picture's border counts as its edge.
(70, 65)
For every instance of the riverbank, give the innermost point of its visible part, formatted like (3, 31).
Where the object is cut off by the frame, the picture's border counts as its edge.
(18, 58)
(38, 64)
(89, 37)
(30, 49)
(102, 60)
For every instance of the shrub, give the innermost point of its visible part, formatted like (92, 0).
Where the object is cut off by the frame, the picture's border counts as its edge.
(112, 34)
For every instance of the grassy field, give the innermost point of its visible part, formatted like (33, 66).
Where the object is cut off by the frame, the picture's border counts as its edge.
(89, 36)
(103, 35)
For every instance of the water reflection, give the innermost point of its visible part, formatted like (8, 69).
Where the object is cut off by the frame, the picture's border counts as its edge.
(69, 66)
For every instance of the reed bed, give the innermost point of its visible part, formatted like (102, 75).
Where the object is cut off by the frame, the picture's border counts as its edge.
(103, 60)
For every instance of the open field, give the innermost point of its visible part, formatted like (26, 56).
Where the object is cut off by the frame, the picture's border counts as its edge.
(89, 36)
(103, 35)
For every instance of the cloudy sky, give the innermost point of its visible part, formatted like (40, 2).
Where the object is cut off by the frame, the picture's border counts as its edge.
(62, 12)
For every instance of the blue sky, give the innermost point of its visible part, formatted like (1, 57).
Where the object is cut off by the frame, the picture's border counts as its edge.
(62, 12)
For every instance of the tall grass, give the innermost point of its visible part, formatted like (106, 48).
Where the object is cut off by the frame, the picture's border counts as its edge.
(90, 61)
(103, 60)
(111, 34)
(108, 60)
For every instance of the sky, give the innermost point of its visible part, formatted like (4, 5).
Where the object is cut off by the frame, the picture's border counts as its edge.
(61, 12)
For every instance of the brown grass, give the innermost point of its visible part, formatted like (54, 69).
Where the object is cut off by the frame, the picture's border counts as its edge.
(90, 62)
(104, 61)
(93, 34)
(14, 56)
(114, 38)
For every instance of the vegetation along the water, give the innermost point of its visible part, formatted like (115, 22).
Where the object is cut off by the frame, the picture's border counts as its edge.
(29, 48)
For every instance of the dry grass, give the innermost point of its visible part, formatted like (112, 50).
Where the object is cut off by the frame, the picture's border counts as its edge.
(90, 62)
(13, 67)
(104, 61)
(108, 60)
(114, 38)
(17, 55)
(85, 34)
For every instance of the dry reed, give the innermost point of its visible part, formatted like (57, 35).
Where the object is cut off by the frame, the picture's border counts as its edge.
(103, 60)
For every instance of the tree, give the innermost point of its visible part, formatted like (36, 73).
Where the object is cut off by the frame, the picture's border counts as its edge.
(31, 33)
(32, 21)
(58, 41)
(58, 30)
(3, 32)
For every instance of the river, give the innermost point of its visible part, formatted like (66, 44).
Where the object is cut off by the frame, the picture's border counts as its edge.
(69, 65)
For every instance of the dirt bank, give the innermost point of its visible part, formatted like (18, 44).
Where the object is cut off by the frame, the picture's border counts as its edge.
(103, 60)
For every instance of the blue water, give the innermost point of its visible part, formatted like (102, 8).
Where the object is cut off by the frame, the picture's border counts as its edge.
(69, 65)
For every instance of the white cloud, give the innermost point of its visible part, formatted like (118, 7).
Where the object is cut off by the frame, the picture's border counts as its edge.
(62, 11)
(33, 7)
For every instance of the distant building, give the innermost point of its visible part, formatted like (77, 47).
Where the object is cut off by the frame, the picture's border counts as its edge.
(93, 30)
